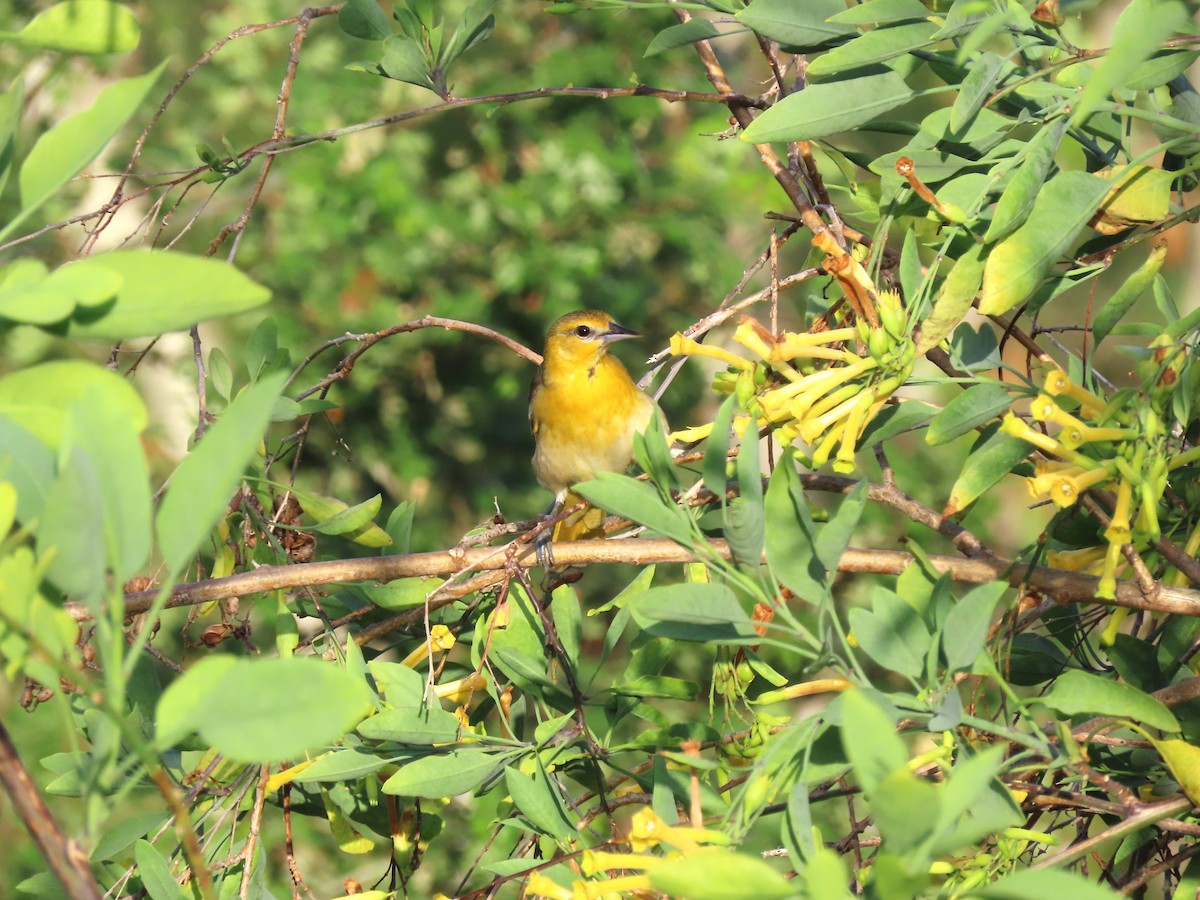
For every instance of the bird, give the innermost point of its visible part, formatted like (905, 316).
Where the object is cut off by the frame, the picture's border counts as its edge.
(584, 410)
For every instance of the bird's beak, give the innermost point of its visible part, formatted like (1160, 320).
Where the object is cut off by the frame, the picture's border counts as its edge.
(619, 333)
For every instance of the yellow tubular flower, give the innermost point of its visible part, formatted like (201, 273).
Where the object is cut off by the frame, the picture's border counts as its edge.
(596, 861)
(685, 346)
(584, 409)
(844, 461)
(459, 690)
(1057, 383)
(1119, 531)
(440, 638)
(1067, 487)
(542, 886)
(1086, 559)
(614, 887)
(1011, 425)
(1108, 578)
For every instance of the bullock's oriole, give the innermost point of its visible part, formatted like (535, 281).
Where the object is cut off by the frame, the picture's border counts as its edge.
(584, 410)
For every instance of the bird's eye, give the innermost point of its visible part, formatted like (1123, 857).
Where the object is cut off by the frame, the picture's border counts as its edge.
(583, 331)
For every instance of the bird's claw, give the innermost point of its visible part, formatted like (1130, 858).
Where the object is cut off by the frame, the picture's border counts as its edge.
(543, 549)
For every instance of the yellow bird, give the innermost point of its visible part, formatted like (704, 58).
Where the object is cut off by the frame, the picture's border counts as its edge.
(584, 410)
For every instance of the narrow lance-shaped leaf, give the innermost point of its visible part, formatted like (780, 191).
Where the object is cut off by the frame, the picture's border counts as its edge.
(65, 149)
(1015, 204)
(967, 411)
(1077, 692)
(202, 485)
(799, 26)
(876, 46)
(993, 456)
(1016, 266)
(1127, 294)
(81, 26)
(953, 300)
(1139, 31)
(829, 107)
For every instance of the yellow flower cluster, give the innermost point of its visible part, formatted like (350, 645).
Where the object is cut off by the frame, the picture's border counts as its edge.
(647, 831)
(1116, 445)
(810, 386)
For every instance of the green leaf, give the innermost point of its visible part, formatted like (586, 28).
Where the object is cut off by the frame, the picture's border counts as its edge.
(791, 535)
(62, 152)
(869, 739)
(180, 705)
(162, 290)
(743, 515)
(984, 74)
(81, 26)
(829, 107)
(404, 61)
(1160, 68)
(202, 485)
(364, 19)
(343, 765)
(538, 802)
(38, 397)
(993, 456)
(716, 449)
(1044, 884)
(954, 298)
(1081, 693)
(154, 873)
(891, 633)
(445, 774)
(693, 612)
(353, 523)
(974, 804)
(112, 443)
(29, 295)
(876, 46)
(403, 593)
(835, 535)
(966, 627)
(714, 873)
(352, 518)
(881, 12)
(799, 26)
(476, 27)
(1127, 294)
(660, 686)
(67, 530)
(906, 810)
(639, 502)
(1016, 265)
(411, 724)
(975, 406)
(698, 29)
(1016, 203)
(270, 724)
(1139, 31)
(11, 105)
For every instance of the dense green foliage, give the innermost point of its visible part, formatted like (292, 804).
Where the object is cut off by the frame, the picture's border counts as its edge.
(226, 424)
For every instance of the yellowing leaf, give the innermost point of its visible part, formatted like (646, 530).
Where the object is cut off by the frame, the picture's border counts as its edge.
(1140, 194)
(1183, 760)
(1016, 265)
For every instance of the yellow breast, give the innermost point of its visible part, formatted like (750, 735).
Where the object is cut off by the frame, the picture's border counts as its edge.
(584, 419)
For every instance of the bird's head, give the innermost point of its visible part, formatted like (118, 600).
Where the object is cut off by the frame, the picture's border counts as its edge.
(581, 338)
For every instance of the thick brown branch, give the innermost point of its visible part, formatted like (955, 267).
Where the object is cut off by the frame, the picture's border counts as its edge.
(67, 860)
(1064, 587)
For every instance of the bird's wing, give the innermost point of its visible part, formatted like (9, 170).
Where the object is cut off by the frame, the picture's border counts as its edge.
(534, 387)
